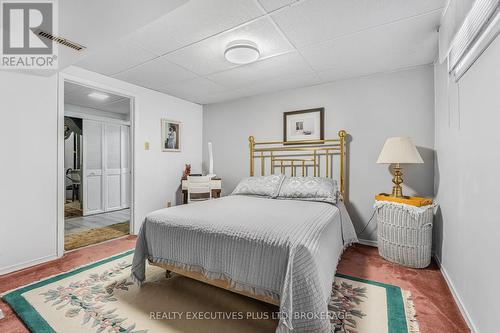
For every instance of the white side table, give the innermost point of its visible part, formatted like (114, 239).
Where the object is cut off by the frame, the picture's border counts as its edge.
(405, 233)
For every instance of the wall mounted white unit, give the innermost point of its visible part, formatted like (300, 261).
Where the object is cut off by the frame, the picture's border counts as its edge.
(106, 167)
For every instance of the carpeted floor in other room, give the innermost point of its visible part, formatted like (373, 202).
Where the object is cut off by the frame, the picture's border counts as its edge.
(436, 308)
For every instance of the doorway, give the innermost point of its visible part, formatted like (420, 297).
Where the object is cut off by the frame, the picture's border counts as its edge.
(97, 165)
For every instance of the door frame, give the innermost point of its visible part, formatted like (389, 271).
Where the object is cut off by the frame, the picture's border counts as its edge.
(61, 191)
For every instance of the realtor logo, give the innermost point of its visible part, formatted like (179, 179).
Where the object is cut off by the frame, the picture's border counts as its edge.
(22, 45)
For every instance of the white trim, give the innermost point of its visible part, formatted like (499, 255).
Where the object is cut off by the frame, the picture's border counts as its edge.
(446, 7)
(26, 264)
(456, 296)
(368, 242)
(64, 77)
(61, 181)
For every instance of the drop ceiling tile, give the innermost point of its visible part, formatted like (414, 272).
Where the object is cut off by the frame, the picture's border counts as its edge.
(403, 44)
(193, 89)
(207, 56)
(315, 21)
(282, 83)
(117, 57)
(78, 95)
(72, 87)
(271, 5)
(221, 97)
(120, 106)
(194, 21)
(290, 63)
(155, 74)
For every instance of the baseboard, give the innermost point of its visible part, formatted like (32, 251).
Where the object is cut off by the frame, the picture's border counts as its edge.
(456, 296)
(368, 242)
(26, 264)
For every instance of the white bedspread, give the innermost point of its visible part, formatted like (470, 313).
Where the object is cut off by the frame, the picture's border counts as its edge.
(286, 249)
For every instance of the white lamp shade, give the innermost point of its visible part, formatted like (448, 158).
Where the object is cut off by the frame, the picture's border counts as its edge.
(399, 150)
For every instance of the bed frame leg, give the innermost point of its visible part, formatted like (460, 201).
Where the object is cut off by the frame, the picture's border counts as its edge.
(168, 274)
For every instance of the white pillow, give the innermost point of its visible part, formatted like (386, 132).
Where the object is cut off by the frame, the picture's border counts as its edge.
(264, 186)
(309, 189)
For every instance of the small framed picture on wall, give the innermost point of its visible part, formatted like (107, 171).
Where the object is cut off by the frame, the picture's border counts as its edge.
(300, 127)
(170, 135)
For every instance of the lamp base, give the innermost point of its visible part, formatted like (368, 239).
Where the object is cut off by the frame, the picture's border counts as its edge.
(397, 190)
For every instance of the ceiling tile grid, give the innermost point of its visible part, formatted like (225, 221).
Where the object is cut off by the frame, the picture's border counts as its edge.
(155, 73)
(260, 71)
(272, 5)
(301, 42)
(395, 44)
(207, 56)
(194, 89)
(314, 21)
(288, 81)
(117, 57)
(195, 21)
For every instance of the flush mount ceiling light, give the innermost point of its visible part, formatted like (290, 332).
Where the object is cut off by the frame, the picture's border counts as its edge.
(98, 95)
(242, 52)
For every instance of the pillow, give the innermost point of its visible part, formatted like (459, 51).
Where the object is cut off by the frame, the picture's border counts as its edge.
(309, 189)
(265, 186)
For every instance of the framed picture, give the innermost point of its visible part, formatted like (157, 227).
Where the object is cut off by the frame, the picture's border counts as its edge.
(303, 125)
(170, 135)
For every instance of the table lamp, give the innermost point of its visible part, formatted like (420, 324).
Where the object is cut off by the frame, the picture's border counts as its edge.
(399, 150)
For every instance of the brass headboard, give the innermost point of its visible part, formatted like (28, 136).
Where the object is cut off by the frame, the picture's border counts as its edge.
(306, 156)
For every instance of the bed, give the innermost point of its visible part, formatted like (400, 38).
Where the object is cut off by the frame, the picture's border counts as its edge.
(277, 237)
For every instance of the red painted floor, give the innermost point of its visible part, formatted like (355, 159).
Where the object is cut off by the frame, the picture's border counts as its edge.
(436, 309)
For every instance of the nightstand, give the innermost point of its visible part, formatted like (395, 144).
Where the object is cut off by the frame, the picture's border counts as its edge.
(405, 233)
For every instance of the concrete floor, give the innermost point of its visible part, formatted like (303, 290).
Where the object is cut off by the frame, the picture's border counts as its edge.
(83, 223)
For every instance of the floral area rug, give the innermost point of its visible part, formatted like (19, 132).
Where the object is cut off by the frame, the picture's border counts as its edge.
(100, 297)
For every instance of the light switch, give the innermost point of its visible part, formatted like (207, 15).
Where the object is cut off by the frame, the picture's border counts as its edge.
(146, 145)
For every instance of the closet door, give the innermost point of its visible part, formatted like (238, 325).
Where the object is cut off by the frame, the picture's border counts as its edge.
(112, 167)
(125, 164)
(92, 167)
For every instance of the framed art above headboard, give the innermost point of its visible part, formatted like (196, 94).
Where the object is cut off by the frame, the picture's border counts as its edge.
(303, 126)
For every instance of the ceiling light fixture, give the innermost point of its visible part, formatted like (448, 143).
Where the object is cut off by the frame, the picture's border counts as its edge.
(242, 52)
(98, 95)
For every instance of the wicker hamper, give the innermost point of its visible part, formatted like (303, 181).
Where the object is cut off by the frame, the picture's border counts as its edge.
(405, 237)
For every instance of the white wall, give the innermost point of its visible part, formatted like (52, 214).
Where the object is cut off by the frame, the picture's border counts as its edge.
(28, 144)
(369, 108)
(467, 163)
(29, 124)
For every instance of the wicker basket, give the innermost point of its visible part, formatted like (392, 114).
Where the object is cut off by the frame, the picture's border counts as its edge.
(405, 238)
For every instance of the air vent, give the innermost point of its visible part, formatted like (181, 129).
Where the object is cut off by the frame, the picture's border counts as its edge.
(62, 41)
